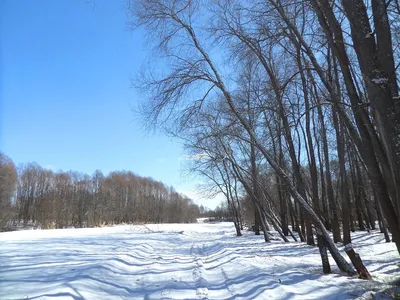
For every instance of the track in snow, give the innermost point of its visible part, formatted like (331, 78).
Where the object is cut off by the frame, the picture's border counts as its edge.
(189, 261)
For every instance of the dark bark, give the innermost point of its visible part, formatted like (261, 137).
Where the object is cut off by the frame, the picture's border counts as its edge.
(326, 268)
(344, 189)
(357, 262)
(377, 66)
(381, 223)
(335, 36)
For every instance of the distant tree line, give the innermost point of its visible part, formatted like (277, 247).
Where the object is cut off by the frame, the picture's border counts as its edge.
(220, 213)
(40, 197)
(291, 109)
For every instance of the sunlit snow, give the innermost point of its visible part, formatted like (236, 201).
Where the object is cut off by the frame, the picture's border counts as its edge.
(178, 261)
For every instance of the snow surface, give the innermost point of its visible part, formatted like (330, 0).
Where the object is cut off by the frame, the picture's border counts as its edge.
(179, 261)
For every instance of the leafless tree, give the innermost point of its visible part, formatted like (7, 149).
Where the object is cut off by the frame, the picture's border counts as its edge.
(191, 71)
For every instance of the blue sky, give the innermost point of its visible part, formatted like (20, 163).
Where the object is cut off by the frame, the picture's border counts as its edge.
(66, 96)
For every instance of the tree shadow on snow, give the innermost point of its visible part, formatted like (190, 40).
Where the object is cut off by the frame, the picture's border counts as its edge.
(131, 266)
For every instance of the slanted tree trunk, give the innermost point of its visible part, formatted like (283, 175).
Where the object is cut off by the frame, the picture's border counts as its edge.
(357, 262)
(381, 223)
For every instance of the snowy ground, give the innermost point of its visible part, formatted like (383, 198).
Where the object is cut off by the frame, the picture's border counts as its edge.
(178, 261)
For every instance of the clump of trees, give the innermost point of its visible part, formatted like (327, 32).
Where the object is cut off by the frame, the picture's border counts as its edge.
(47, 199)
(220, 213)
(293, 105)
(8, 179)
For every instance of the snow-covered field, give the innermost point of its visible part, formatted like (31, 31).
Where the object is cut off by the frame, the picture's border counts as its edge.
(178, 261)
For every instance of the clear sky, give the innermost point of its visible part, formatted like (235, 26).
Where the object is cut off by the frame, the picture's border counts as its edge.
(66, 96)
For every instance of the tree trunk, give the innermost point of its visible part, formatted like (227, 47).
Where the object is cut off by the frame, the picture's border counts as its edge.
(344, 189)
(385, 111)
(357, 262)
(329, 184)
(326, 268)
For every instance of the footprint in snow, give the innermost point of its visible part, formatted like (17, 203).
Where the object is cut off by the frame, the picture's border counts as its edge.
(202, 291)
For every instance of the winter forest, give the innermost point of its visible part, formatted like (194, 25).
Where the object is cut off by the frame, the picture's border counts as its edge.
(290, 110)
(47, 199)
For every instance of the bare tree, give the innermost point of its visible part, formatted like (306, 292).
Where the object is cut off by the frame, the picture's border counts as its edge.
(174, 22)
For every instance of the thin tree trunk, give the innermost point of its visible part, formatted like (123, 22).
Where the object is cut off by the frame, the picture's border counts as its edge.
(323, 253)
(344, 191)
